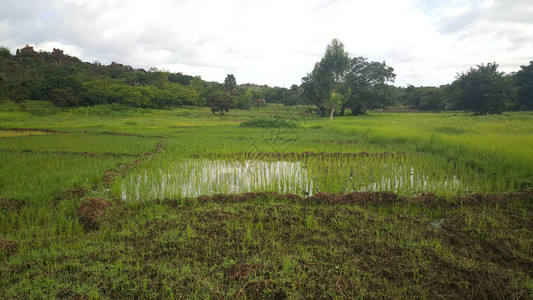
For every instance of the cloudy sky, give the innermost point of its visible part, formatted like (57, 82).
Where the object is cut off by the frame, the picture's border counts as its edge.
(277, 42)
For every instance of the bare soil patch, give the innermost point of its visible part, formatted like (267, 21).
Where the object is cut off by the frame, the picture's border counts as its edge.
(91, 212)
(8, 247)
(365, 198)
(242, 270)
(74, 192)
(11, 204)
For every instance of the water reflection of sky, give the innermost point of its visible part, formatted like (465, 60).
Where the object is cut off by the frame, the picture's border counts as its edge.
(193, 178)
(209, 177)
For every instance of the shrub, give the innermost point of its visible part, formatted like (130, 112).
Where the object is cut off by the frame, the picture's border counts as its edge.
(269, 123)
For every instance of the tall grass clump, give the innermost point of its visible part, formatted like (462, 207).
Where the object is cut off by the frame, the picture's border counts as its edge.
(269, 123)
(109, 110)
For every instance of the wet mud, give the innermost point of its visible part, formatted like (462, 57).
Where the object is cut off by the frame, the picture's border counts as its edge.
(91, 212)
(365, 198)
(300, 155)
(11, 204)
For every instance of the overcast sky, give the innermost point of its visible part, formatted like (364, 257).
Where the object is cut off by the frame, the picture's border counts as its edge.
(277, 42)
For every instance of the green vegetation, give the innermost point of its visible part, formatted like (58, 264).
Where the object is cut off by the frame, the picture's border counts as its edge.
(483, 90)
(269, 123)
(125, 183)
(118, 202)
(337, 85)
(66, 81)
(339, 82)
(523, 80)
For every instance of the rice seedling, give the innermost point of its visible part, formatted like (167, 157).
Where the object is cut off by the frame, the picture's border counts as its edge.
(403, 174)
(79, 142)
(39, 178)
(192, 178)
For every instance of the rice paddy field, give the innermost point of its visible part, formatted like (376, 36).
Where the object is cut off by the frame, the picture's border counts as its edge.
(108, 202)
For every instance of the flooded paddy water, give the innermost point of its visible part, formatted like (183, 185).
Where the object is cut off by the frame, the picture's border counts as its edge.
(304, 176)
(196, 177)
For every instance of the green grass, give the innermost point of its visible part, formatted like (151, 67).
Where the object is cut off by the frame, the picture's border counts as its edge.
(501, 145)
(274, 249)
(37, 178)
(163, 246)
(80, 142)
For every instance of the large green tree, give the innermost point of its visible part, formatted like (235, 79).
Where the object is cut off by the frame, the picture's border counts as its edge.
(338, 81)
(482, 90)
(326, 77)
(366, 85)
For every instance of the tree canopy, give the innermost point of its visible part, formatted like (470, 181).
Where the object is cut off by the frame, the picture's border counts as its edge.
(67, 81)
(523, 80)
(483, 90)
(220, 102)
(230, 84)
(338, 81)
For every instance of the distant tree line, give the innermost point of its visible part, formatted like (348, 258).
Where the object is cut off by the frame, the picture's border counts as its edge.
(338, 82)
(67, 81)
(480, 90)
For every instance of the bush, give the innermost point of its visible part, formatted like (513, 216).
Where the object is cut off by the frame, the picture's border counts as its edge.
(109, 110)
(63, 98)
(220, 102)
(269, 123)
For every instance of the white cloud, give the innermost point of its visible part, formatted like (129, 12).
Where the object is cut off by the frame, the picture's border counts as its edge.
(277, 42)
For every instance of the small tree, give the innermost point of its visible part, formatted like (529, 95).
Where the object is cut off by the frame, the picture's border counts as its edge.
(230, 84)
(259, 102)
(220, 102)
(335, 102)
(63, 98)
(19, 95)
